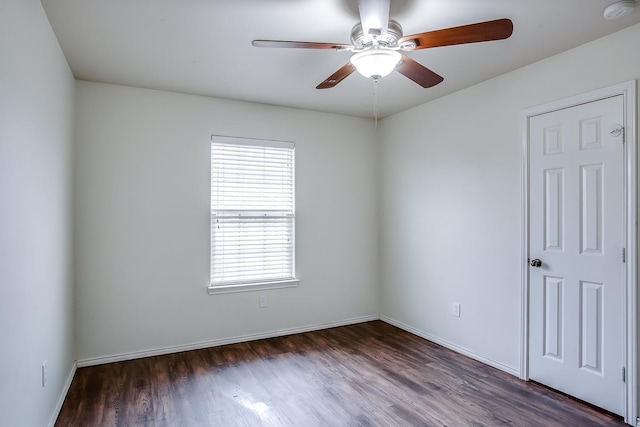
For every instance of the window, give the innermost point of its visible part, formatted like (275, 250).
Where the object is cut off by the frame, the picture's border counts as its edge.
(252, 214)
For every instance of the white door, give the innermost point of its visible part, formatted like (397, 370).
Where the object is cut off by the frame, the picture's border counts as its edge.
(577, 324)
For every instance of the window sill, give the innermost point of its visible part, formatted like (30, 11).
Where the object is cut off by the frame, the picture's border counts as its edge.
(248, 287)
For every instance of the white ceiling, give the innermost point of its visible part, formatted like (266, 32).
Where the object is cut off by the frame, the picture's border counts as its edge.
(204, 46)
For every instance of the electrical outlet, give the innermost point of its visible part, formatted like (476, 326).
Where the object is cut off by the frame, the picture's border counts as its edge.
(262, 301)
(44, 373)
(455, 309)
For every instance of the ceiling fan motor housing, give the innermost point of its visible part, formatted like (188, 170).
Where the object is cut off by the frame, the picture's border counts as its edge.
(364, 41)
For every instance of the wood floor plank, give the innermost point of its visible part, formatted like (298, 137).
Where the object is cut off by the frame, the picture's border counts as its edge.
(369, 374)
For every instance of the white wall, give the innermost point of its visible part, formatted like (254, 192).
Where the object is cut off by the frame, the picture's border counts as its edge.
(142, 211)
(450, 197)
(36, 289)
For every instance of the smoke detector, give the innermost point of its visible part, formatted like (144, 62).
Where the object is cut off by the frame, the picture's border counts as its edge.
(619, 9)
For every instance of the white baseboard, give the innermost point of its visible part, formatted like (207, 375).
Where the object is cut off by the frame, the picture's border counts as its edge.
(223, 341)
(452, 346)
(63, 395)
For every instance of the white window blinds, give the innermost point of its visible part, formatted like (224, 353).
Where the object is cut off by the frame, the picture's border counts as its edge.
(252, 211)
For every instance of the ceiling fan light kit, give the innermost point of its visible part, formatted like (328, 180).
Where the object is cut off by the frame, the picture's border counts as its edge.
(376, 41)
(619, 9)
(376, 63)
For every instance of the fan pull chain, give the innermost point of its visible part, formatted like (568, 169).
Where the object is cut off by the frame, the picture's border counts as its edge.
(375, 101)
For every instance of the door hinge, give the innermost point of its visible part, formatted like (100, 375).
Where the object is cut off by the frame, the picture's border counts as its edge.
(617, 130)
(624, 374)
(624, 255)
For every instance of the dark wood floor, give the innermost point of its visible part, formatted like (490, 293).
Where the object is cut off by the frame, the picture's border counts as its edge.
(370, 374)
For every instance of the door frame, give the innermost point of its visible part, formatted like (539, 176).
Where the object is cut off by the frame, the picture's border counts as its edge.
(628, 91)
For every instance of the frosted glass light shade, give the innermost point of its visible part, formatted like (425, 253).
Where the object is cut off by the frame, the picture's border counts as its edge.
(376, 63)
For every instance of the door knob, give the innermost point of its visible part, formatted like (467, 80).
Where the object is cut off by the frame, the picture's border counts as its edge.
(536, 263)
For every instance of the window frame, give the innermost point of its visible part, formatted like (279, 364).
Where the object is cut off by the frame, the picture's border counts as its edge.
(258, 284)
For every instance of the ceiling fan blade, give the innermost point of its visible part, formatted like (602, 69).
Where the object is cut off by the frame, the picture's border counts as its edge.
(374, 16)
(481, 32)
(418, 73)
(299, 45)
(337, 77)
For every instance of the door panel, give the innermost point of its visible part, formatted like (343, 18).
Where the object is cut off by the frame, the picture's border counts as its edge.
(576, 336)
(591, 209)
(554, 201)
(591, 327)
(553, 316)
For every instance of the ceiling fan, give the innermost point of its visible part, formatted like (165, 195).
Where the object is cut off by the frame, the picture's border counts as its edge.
(377, 41)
